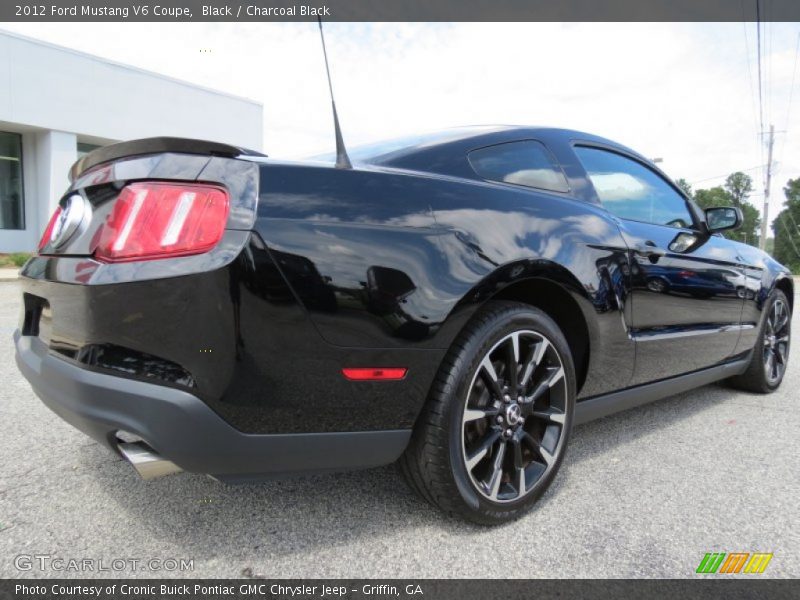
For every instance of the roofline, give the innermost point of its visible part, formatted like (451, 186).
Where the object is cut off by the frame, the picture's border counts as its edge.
(128, 67)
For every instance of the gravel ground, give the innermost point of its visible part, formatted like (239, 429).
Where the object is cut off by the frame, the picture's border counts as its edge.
(645, 493)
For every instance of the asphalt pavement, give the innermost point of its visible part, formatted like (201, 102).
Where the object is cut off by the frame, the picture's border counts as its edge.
(645, 493)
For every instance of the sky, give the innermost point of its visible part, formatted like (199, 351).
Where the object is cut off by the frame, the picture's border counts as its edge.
(686, 93)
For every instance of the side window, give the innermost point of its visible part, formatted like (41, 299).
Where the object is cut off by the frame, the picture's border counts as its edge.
(525, 163)
(630, 190)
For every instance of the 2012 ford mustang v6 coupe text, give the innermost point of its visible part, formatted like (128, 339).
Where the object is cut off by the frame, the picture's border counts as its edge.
(454, 302)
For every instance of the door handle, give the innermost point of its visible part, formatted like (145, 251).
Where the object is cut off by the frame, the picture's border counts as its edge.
(650, 251)
(649, 248)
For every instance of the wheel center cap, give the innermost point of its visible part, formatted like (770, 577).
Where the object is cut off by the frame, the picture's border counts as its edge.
(513, 414)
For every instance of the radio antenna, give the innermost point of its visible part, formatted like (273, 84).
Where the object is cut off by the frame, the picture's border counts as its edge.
(342, 160)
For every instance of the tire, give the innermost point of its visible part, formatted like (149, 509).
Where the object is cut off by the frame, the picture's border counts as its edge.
(771, 345)
(454, 456)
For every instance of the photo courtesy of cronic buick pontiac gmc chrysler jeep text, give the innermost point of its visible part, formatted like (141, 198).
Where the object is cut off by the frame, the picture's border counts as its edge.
(453, 302)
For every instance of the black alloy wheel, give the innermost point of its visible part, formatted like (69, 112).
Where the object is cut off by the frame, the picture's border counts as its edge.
(770, 356)
(494, 431)
(514, 416)
(776, 341)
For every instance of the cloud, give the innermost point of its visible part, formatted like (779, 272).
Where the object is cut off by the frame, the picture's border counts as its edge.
(614, 187)
(681, 92)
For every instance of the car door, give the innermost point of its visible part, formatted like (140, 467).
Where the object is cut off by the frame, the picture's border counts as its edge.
(685, 286)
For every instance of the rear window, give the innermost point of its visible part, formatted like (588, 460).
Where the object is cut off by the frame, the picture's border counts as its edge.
(527, 163)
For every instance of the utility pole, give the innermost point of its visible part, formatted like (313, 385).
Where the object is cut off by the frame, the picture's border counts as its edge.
(762, 242)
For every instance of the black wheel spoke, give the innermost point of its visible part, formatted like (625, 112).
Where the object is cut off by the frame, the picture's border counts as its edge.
(779, 359)
(512, 363)
(497, 472)
(489, 377)
(536, 355)
(518, 460)
(781, 321)
(553, 376)
(483, 449)
(549, 415)
(546, 457)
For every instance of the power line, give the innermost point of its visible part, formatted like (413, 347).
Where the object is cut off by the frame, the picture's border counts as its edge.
(726, 174)
(758, 49)
(794, 73)
(789, 233)
(789, 212)
(791, 95)
(749, 70)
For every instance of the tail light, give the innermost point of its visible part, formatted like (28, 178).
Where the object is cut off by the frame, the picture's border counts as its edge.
(48, 231)
(160, 220)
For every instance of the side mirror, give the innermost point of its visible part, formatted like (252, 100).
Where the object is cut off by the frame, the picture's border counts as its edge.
(722, 218)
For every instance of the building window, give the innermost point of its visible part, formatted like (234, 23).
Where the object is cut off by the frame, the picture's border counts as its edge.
(12, 201)
(84, 149)
(526, 163)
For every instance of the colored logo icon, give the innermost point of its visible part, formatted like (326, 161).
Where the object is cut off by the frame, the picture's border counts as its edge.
(734, 562)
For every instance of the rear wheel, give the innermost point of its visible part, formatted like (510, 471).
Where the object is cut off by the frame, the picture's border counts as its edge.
(494, 431)
(767, 366)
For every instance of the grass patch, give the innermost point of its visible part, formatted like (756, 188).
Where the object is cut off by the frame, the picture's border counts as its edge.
(14, 260)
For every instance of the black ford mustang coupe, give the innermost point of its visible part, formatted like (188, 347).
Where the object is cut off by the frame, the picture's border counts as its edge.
(453, 302)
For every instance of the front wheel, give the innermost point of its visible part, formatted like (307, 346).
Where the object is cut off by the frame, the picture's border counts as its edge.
(494, 431)
(770, 356)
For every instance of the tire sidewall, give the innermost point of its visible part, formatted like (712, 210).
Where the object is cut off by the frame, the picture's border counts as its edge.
(473, 351)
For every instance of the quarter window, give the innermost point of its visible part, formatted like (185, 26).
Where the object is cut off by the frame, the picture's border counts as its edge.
(526, 163)
(12, 203)
(630, 190)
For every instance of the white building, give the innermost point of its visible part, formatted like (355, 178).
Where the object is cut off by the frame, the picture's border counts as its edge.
(57, 104)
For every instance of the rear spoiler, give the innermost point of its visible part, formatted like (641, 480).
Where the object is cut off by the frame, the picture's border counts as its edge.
(155, 145)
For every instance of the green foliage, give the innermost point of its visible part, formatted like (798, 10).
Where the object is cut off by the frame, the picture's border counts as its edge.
(716, 196)
(734, 193)
(785, 226)
(739, 186)
(685, 186)
(16, 259)
(19, 258)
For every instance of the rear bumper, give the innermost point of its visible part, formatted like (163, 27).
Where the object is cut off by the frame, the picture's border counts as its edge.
(184, 430)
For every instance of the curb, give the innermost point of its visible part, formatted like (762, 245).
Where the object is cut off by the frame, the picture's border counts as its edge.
(9, 274)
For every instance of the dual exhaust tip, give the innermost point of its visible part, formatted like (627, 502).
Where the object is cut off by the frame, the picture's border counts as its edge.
(146, 461)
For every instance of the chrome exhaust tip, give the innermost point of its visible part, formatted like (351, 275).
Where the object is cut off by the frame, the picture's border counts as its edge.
(147, 463)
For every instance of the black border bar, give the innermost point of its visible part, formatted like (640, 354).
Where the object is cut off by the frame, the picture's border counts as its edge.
(709, 586)
(400, 10)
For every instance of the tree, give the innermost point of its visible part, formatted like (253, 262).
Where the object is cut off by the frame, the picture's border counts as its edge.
(685, 186)
(716, 196)
(721, 196)
(739, 186)
(785, 227)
